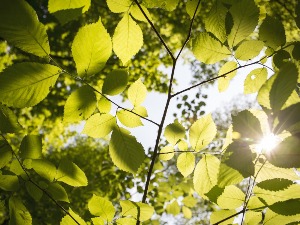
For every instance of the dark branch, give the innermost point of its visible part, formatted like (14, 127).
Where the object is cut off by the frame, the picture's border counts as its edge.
(229, 217)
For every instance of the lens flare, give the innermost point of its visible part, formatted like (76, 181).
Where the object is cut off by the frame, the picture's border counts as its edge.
(268, 143)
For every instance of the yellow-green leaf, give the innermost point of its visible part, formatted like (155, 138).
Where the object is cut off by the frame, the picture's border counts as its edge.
(31, 147)
(191, 7)
(137, 93)
(119, 6)
(223, 82)
(99, 206)
(186, 163)
(231, 198)
(139, 211)
(248, 50)
(67, 220)
(127, 39)
(174, 132)
(254, 80)
(166, 153)
(115, 82)
(18, 213)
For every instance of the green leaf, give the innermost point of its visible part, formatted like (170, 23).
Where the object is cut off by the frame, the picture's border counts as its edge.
(254, 80)
(57, 5)
(223, 82)
(231, 198)
(98, 221)
(263, 96)
(174, 132)
(253, 218)
(67, 220)
(137, 93)
(127, 39)
(173, 208)
(245, 18)
(281, 57)
(289, 119)
(187, 213)
(191, 7)
(170, 5)
(104, 106)
(44, 168)
(270, 197)
(228, 139)
(239, 157)
(129, 119)
(215, 21)
(119, 6)
(34, 191)
(80, 105)
(26, 84)
(202, 132)
(58, 192)
(9, 182)
(126, 221)
(272, 218)
(99, 206)
(126, 153)
(137, 14)
(220, 215)
(69, 173)
(206, 174)
(297, 11)
(189, 201)
(275, 184)
(286, 154)
(115, 82)
(208, 50)
(283, 86)
(91, 49)
(248, 50)
(186, 163)
(286, 208)
(66, 15)
(18, 213)
(166, 153)
(8, 121)
(227, 176)
(139, 211)
(20, 27)
(272, 32)
(268, 171)
(31, 147)
(98, 126)
(247, 125)
(5, 152)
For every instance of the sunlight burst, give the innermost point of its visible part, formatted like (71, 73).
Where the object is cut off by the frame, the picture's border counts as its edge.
(268, 143)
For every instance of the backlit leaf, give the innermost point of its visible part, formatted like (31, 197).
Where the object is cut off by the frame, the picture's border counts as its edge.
(8, 121)
(125, 152)
(34, 191)
(173, 208)
(58, 192)
(5, 152)
(57, 5)
(9, 182)
(137, 93)
(245, 18)
(253, 218)
(254, 80)
(227, 176)
(272, 218)
(286, 208)
(248, 50)
(202, 132)
(189, 201)
(91, 49)
(247, 125)
(67, 220)
(166, 153)
(69, 173)
(283, 86)
(119, 6)
(220, 215)
(137, 13)
(215, 21)
(80, 105)
(223, 82)
(26, 84)
(99, 206)
(186, 163)
(231, 198)
(18, 213)
(139, 211)
(129, 119)
(187, 213)
(44, 168)
(98, 126)
(174, 132)
(191, 7)
(206, 174)
(20, 27)
(104, 106)
(31, 147)
(115, 82)
(272, 32)
(209, 50)
(127, 39)
(263, 96)
(289, 119)
(286, 154)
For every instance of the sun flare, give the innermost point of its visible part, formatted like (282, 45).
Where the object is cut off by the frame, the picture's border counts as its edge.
(268, 143)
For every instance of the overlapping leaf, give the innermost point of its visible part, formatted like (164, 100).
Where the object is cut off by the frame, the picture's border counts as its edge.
(254, 80)
(139, 211)
(20, 27)
(18, 213)
(115, 82)
(99, 206)
(8, 121)
(174, 132)
(248, 50)
(26, 84)
(223, 82)
(31, 147)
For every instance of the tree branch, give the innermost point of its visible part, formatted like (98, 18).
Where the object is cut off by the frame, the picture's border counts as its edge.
(155, 30)
(42, 189)
(229, 217)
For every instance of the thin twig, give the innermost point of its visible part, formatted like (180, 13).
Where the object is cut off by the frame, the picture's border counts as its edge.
(94, 89)
(155, 152)
(156, 31)
(35, 184)
(229, 217)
